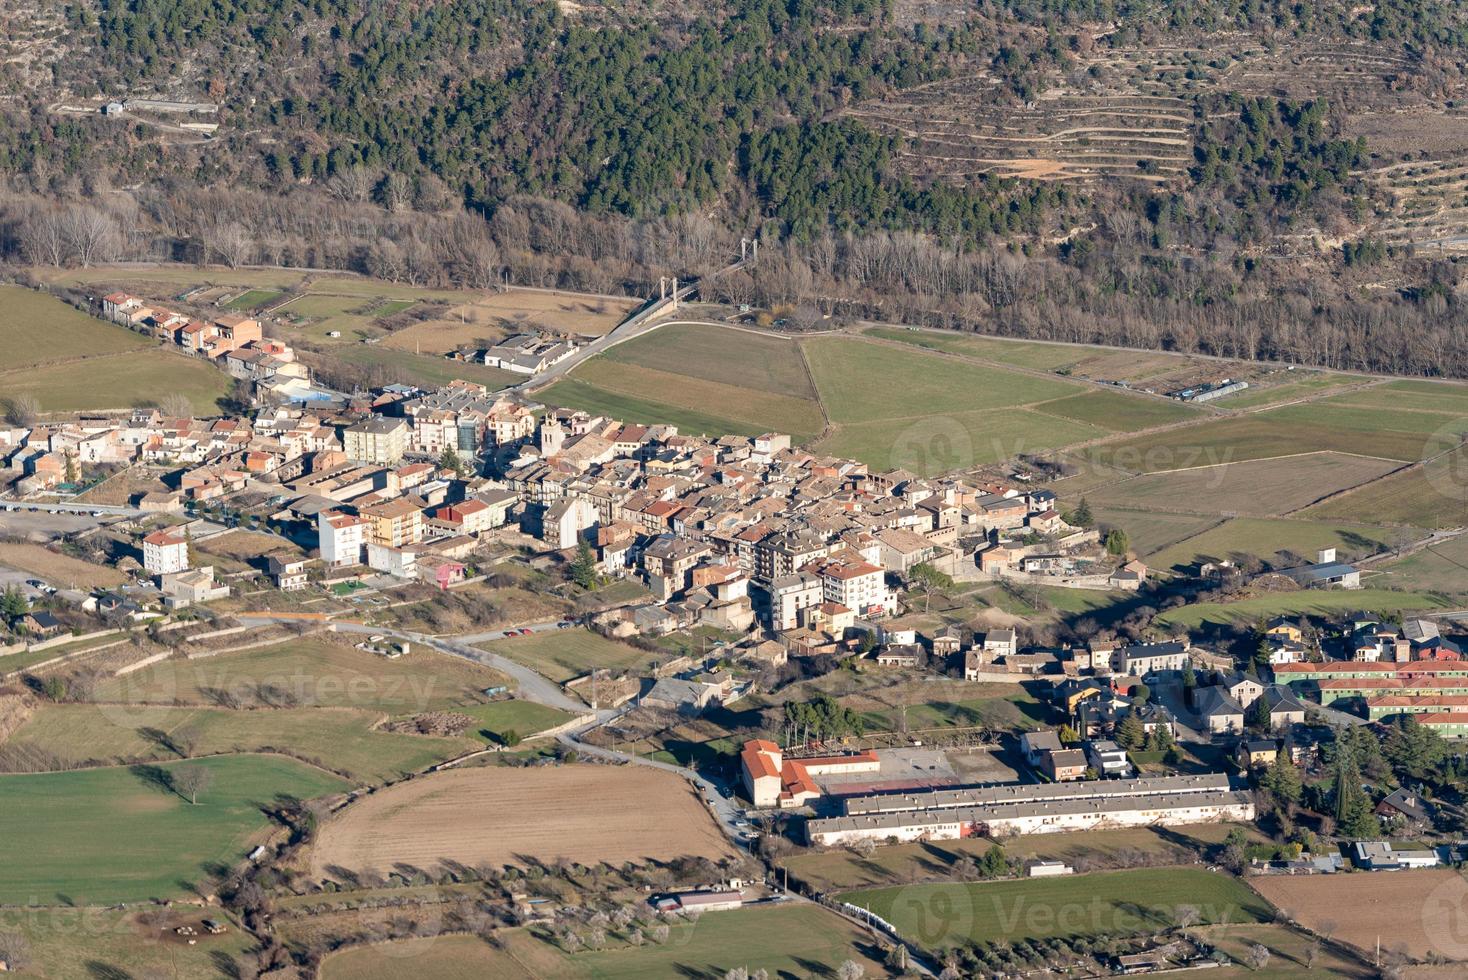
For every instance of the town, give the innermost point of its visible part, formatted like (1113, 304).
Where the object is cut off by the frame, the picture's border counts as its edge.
(632, 594)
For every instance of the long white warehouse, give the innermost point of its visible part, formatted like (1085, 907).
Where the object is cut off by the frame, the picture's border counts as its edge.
(1037, 809)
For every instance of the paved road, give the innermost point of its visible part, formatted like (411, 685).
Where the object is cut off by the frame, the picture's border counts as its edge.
(636, 325)
(535, 687)
(639, 323)
(532, 686)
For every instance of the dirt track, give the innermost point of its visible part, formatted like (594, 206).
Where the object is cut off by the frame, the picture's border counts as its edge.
(505, 816)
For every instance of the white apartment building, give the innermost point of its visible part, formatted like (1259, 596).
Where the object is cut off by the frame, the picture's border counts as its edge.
(340, 537)
(792, 594)
(859, 586)
(165, 552)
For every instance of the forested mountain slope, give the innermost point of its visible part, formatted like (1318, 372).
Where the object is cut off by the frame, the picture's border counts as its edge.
(1255, 179)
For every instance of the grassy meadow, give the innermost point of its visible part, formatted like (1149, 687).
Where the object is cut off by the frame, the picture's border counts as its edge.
(102, 836)
(939, 916)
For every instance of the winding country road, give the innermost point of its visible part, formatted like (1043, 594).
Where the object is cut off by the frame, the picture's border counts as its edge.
(533, 686)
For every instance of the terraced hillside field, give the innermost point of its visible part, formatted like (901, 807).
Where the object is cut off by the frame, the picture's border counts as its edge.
(960, 128)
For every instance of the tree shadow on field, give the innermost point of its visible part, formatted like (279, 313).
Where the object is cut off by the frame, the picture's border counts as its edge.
(98, 970)
(936, 859)
(155, 777)
(227, 966)
(1144, 914)
(162, 740)
(346, 875)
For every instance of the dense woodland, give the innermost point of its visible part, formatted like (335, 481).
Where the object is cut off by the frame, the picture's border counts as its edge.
(487, 140)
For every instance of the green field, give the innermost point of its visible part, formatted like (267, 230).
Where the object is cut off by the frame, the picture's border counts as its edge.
(1019, 353)
(842, 869)
(254, 299)
(1149, 532)
(1265, 539)
(1432, 495)
(102, 836)
(1259, 436)
(1298, 384)
(787, 941)
(423, 369)
(72, 362)
(1288, 955)
(1315, 602)
(524, 718)
(115, 943)
(1013, 710)
(311, 672)
(575, 393)
(954, 440)
(565, 654)
(27, 658)
(130, 380)
(745, 359)
(1441, 568)
(940, 916)
(1413, 394)
(1254, 488)
(37, 328)
(860, 381)
(340, 739)
(1118, 412)
(330, 311)
(749, 407)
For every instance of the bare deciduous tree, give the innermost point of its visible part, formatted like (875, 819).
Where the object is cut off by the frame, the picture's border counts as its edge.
(396, 192)
(91, 234)
(176, 405)
(192, 780)
(41, 238)
(230, 241)
(15, 950)
(1257, 957)
(354, 184)
(22, 410)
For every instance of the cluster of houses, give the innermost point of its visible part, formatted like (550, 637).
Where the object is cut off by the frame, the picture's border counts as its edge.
(1384, 671)
(732, 531)
(235, 343)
